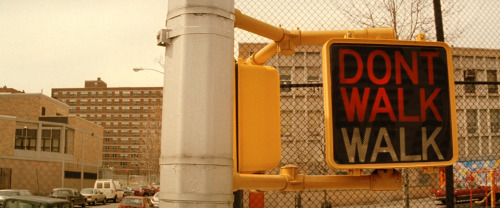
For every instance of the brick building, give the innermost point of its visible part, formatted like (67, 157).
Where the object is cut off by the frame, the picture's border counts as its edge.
(42, 147)
(131, 117)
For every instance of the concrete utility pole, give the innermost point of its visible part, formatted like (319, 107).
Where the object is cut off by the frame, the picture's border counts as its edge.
(196, 145)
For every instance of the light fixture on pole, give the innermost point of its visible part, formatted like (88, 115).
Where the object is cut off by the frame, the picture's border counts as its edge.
(141, 69)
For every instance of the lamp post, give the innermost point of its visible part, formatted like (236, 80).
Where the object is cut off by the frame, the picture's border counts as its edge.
(141, 69)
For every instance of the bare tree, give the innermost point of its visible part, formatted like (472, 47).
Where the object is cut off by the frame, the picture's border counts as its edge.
(407, 17)
(149, 159)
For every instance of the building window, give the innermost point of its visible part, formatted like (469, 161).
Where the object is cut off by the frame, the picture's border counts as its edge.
(137, 93)
(491, 76)
(106, 155)
(84, 94)
(117, 101)
(26, 139)
(471, 115)
(124, 148)
(100, 94)
(109, 93)
(83, 102)
(137, 101)
(72, 101)
(72, 94)
(495, 120)
(123, 163)
(285, 79)
(50, 140)
(126, 93)
(107, 147)
(126, 101)
(136, 109)
(470, 76)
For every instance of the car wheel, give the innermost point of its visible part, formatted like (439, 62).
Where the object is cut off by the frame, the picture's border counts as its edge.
(72, 204)
(104, 201)
(83, 204)
(115, 200)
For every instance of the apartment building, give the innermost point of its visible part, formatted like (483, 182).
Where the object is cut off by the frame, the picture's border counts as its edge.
(42, 147)
(131, 118)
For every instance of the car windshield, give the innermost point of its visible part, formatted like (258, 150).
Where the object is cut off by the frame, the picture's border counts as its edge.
(61, 192)
(132, 201)
(86, 191)
(9, 193)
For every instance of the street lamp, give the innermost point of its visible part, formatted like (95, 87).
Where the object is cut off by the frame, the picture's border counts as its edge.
(141, 69)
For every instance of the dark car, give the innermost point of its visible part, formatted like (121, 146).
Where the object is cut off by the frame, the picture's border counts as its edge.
(93, 196)
(70, 194)
(156, 188)
(148, 190)
(463, 191)
(135, 202)
(12, 192)
(127, 191)
(35, 202)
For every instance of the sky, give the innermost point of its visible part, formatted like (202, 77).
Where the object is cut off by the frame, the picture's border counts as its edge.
(47, 44)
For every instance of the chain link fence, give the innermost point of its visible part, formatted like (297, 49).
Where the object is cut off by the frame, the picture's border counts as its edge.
(470, 27)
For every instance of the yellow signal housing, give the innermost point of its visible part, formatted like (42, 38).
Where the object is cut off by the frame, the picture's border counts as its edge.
(256, 137)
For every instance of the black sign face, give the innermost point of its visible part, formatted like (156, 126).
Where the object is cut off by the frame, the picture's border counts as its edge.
(390, 104)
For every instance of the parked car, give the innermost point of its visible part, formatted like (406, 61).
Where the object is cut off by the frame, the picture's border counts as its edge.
(127, 191)
(137, 191)
(156, 188)
(70, 194)
(148, 190)
(135, 202)
(12, 192)
(111, 188)
(462, 191)
(35, 202)
(156, 200)
(93, 196)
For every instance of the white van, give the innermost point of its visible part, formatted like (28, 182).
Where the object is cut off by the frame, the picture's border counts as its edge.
(111, 188)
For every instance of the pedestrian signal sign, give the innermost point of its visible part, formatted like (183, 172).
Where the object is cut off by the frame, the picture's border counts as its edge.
(389, 104)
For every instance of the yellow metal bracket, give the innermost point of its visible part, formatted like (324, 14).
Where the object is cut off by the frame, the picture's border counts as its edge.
(285, 41)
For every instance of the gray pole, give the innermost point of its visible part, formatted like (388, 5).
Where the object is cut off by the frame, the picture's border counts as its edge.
(196, 144)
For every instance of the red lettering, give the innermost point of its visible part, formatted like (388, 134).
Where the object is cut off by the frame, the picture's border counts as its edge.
(382, 96)
(412, 72)
(430, 64)
(401, 108)
(359, 72)
(355, 104)
(388, 67)
(424, 104)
